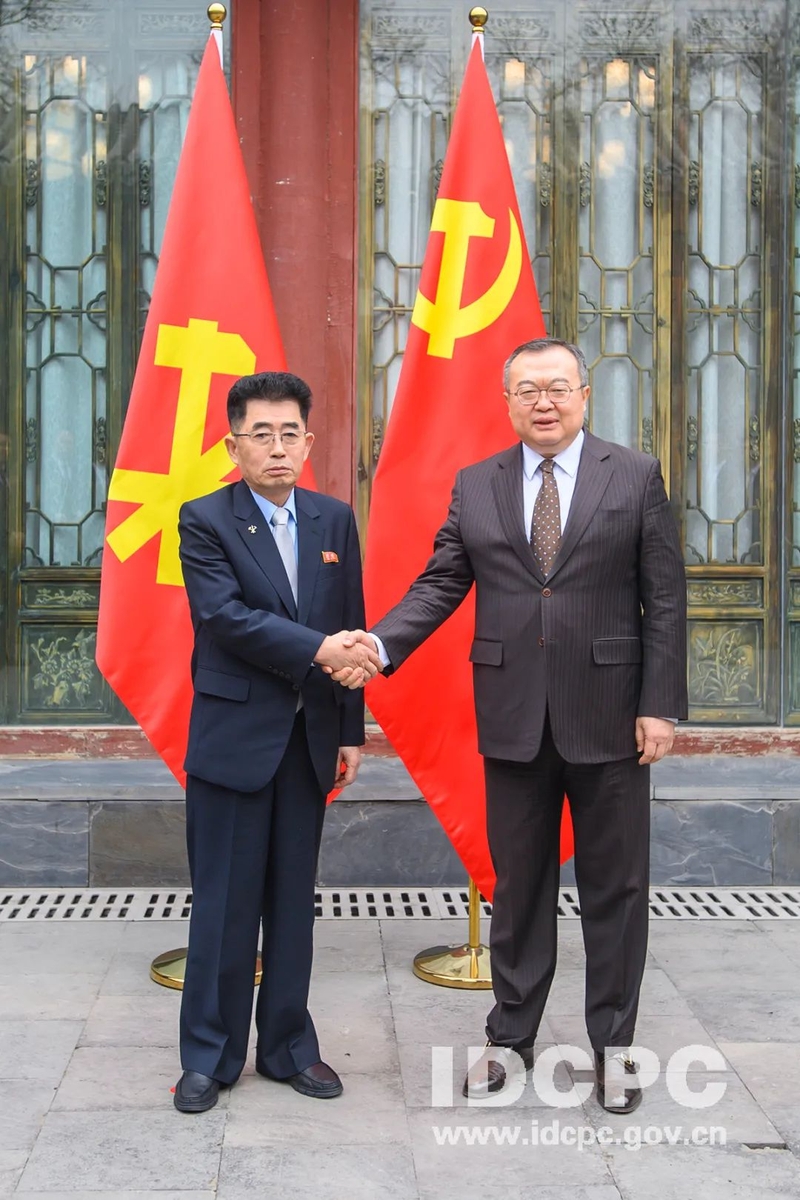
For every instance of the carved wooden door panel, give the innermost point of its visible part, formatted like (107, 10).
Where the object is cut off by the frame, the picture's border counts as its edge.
(93, 105)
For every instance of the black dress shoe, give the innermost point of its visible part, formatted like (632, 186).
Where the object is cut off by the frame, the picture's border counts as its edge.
(319, 1081)
(488, 1074)
(195, 1093)
(612, 1093)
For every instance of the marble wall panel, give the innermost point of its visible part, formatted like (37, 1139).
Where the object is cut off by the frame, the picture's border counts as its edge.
(398, 843)
(43, 843)
(137, 843)
(371, 842)
(711, 842)
(786, 842)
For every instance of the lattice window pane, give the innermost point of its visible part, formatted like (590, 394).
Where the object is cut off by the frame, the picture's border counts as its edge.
(616, 244)
(66, 99)
(724, 319)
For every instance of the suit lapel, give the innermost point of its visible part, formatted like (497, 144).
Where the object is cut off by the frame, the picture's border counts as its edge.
(507, 487)
(594, 475)
(261, 544)
(309, 542)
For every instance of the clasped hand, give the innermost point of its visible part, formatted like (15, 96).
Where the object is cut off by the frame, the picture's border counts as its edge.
(350, 658)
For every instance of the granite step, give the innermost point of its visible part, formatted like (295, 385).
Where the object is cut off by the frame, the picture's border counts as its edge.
(716, 820)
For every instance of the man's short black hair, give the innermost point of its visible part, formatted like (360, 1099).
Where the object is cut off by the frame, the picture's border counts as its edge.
(267, 385)
(544, 343)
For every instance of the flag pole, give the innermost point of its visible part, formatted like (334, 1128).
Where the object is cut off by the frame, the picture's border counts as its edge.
(478, 17)
(169, 969)
(216, 14)
(468, 965)
(464, 966)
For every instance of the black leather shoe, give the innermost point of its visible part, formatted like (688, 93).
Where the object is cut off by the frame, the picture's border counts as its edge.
(318, 1081)
(488, 1075)
(195, 1093)
(611, 1091)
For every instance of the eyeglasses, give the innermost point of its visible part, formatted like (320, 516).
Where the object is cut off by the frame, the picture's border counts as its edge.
(557, 393)
(290, 439)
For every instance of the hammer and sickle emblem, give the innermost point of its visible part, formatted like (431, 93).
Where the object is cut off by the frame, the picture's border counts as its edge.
(444, 319)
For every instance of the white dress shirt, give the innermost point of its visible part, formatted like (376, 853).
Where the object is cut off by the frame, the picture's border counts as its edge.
(268, 508)
(565, 472)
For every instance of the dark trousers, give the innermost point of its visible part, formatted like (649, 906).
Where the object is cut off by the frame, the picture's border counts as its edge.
(253, 859)
(610, 807)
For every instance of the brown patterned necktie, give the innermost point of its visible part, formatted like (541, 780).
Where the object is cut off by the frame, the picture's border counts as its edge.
(546, 525)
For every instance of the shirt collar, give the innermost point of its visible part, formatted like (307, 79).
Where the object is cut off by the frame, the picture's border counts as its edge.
(568, 460)
(268, 508)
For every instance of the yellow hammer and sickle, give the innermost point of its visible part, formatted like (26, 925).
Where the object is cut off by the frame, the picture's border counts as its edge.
(444, 319)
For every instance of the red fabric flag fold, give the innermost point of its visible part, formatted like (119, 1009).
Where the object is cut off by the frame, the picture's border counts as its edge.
(211, 320)
(477, 301)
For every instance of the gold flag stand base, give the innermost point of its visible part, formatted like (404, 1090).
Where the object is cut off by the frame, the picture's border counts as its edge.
(455, 966)
(169, 969)
(466, 966)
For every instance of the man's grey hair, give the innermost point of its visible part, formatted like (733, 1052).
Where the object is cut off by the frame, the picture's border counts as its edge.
(540, 344)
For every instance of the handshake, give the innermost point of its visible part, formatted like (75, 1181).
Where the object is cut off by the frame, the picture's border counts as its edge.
(350, 658)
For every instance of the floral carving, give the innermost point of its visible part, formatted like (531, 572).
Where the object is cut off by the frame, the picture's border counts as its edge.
(67, 672)
(723, 666)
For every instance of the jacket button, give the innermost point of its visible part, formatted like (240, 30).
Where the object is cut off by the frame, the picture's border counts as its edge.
(541, 641)
(295, 687)
(546, 592)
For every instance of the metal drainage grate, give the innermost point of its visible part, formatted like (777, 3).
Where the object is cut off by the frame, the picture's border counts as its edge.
(144, 904)
(95, 904)
(737, 904)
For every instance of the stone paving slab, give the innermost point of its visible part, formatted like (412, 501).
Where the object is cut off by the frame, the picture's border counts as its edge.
(732, 1014)
(685, 1172)
(23, 1107)
(37, 1051)
(77, 949)
(772, 776)
(158, 1195)
(487, 1190)
(93, 1079)
(133, 1020)
(12, 1163)
(150, 779)
(771, 1071)
(86, 1110)
(781, 935)
(87, 779)
(124, 1150)
(45, 995)
(352, 1172)
(517, 1168)
(262, 1112)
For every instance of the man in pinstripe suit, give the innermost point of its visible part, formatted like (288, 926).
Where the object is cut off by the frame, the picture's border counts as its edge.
(579, 675)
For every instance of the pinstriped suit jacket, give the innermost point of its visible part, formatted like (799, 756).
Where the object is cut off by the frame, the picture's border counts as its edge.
(600, 642)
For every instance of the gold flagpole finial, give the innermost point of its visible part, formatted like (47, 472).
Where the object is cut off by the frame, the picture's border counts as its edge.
(478, 17)
(216, 15)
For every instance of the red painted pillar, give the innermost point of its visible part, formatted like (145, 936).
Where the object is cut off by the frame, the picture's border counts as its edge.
(295, 89)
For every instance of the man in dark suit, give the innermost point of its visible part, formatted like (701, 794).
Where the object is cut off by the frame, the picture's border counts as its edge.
(579, 667)
(272, 572)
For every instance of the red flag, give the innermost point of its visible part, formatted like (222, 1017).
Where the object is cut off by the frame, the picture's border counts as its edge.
(211, 320)
(477, 301)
